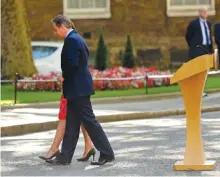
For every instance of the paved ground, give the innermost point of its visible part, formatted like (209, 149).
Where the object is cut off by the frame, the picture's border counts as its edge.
(34, 115)
(142, 147)
(158, 105)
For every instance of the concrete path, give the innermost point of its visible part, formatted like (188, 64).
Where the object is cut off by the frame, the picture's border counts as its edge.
(35, 115)
(147, 147)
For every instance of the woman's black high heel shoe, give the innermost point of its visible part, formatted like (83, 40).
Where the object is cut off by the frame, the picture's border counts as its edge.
(92, 152)
(49, 158)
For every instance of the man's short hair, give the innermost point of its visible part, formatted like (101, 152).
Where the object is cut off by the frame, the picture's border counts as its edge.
(63, 20)
(202, 9)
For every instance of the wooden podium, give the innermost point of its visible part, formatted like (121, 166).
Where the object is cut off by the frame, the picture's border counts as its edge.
(191, 78)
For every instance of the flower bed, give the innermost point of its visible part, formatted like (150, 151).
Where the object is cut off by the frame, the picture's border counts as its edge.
(122, 78)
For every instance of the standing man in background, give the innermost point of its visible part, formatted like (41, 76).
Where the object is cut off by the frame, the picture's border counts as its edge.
(199, 36)
(217, 38)
(199, 33)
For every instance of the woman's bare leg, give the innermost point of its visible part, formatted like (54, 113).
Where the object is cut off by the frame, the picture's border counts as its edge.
(88, 142)
(58, 138)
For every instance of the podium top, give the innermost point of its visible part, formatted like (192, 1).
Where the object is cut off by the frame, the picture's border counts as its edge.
(193, 67)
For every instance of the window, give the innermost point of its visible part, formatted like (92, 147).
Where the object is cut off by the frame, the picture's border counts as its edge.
(39, 52)
(149, 57)
(189, 7)
(87, 9)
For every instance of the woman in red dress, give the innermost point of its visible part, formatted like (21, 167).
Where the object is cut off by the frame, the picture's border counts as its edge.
(54, 149)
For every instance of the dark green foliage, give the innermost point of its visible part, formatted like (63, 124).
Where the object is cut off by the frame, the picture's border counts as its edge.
(128, 60)
(101, 60)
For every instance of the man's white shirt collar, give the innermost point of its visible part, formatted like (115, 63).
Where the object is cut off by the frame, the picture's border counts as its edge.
(69, 32)
(203, 28)
(202, 19)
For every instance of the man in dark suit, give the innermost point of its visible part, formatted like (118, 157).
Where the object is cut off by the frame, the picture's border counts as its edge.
(77, 89)
(198, 36)
(217, 38)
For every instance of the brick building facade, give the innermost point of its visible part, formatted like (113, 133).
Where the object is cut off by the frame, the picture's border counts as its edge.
(157, 29)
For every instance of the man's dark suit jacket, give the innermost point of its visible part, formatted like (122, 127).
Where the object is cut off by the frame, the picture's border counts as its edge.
(217, 34)
(194, 38)
(74, 64)
(217, 38)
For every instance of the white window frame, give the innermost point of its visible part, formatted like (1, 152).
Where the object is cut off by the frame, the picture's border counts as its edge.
(188, 10)
(87, 13)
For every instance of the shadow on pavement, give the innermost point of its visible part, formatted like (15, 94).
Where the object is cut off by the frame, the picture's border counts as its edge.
(142, 147)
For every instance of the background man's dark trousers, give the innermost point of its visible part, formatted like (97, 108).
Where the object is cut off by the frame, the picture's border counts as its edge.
(80, 111)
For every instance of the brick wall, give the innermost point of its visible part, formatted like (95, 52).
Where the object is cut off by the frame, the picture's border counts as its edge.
(146, 21)
(40, 13)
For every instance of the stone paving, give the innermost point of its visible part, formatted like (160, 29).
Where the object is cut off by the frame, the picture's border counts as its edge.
(142, 147)
(35, 115)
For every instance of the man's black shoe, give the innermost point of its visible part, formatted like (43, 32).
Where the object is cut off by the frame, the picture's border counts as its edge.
(103, 160)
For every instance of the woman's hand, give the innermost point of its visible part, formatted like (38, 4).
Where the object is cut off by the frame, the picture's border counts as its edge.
(60, 79)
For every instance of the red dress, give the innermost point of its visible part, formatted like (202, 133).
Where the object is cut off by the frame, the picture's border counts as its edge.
(63, 108)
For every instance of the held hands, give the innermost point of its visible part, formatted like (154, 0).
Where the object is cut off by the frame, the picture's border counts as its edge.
(60, 79)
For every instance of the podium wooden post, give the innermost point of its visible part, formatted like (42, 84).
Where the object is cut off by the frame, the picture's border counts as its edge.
(191, 78)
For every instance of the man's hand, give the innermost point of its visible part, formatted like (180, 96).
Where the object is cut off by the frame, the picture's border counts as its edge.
(60, 80)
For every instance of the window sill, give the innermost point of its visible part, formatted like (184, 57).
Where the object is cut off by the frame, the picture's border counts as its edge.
(187, 12)
(87, 15)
